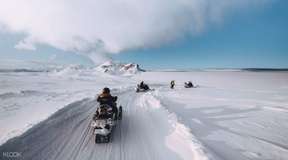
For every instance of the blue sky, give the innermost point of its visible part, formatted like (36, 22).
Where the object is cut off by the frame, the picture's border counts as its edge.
(257, 37)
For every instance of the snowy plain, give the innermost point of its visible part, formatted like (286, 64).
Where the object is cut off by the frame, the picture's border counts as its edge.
(230, 115)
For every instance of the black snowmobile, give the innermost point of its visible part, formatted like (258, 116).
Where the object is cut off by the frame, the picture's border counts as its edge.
(104, 121)
(142, 87)
(188, 84)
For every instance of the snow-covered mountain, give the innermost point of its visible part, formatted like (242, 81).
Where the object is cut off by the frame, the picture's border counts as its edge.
(119, 68)
(107, 68)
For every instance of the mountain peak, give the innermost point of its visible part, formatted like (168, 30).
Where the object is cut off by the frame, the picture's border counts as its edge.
(118, 68)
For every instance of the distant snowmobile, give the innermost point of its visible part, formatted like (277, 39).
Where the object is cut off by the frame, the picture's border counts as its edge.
(142, 87)
(104, 121)
(188, 84)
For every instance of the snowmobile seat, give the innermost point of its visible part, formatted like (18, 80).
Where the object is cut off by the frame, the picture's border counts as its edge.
(103, 112)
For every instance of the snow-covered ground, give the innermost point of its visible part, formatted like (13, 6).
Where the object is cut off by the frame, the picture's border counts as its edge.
(30, 97)
(230, 115)
(235, 115)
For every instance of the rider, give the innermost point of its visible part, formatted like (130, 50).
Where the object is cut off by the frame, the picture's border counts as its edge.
(172, 84)
(106, 98)
(142, 84)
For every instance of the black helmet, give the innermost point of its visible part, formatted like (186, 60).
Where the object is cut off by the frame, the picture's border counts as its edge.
(106, 90)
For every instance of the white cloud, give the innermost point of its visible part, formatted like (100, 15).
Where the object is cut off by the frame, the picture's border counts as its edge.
(94, 27)
(27, 44)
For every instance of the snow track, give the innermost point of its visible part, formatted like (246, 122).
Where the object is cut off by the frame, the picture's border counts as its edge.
(146, 132)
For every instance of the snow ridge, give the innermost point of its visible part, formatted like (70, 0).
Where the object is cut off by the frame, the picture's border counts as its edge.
(180, 140)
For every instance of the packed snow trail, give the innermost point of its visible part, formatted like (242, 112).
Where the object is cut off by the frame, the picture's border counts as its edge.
(142, 134)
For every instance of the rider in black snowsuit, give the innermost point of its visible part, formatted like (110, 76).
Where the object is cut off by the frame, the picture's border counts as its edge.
(172, 84)
(106, 98)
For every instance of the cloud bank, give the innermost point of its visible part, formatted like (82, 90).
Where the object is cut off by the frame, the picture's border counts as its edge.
(97, 27)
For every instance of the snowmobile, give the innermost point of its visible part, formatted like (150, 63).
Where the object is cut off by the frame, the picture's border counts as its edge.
(104, 121)
(143, 88)
(188, 84)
